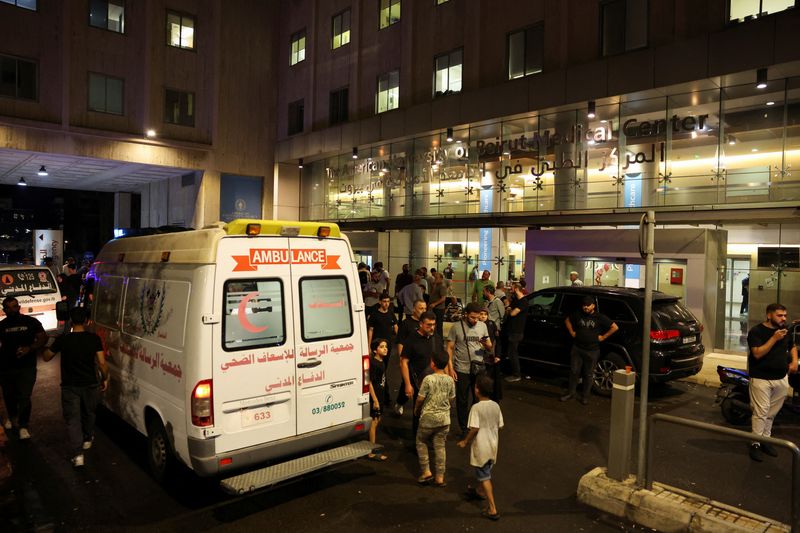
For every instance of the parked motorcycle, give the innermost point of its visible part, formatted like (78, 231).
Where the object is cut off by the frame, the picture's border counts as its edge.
(733, 395)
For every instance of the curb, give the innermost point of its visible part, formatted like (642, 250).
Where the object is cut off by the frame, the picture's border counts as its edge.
(667, 508)
(5, 464)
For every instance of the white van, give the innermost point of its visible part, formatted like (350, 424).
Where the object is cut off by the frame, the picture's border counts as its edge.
(235, 345)
(36, 291)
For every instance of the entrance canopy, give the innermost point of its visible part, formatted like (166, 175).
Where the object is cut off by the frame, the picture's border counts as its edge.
(80, 173)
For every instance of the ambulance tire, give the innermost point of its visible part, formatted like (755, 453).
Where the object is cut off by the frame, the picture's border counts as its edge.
(160, 457)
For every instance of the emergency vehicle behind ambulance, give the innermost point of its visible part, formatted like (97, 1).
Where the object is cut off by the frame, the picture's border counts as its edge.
(35, 289)
(235, 346)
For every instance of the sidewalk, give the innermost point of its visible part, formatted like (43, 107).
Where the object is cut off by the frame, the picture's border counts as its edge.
(708, 374)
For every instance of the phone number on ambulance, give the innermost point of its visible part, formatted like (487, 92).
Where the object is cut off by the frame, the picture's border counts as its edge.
(327, 408)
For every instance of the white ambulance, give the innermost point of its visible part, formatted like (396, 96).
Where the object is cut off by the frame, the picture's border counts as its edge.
(237, 345)
(36, 291)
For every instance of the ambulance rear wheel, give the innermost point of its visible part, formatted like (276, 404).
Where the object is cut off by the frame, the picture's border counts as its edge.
(160, 457)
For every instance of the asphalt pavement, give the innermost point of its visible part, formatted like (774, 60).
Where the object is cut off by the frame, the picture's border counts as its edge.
(545, 448)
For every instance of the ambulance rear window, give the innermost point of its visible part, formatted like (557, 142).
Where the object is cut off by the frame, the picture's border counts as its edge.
(254, 314)
(325, 308)
(28, 282)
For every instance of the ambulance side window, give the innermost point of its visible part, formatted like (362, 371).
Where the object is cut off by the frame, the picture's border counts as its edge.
(107, 299)
(325, 308)
(254, 314)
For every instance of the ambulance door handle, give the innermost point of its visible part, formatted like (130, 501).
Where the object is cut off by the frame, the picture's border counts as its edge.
(309, 364)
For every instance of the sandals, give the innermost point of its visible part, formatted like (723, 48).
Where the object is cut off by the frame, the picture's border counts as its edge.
(486, 514)
(440, 485)
(377, 457)
(473, 494)
(424, 480)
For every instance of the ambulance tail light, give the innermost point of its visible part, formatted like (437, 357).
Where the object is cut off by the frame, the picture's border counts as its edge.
(253, 229)
(365, 376)
(203, 404)
(324, 231)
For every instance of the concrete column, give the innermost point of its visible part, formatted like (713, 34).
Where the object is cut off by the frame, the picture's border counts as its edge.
(122, 210)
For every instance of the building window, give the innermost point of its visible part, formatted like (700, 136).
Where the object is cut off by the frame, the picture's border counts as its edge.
(526, 52)
(341, 29)
(339, 106)
(179, 108)
(624, 25)
(105, 94)
(107, 14)
(25, 4)
(298, 47)
(390, 13)
(388, 95)
(750, 9)
(296, 112)
(440, 2)
(17, 78)
(447, 73)
(180, 30)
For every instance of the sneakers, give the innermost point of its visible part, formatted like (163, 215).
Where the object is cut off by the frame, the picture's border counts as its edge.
(584, 400)
(87, 444)
(513, 379)
(77, 461)
(7, 424)
(567, 397)
(398, 410)
(768, 449)
(24, 434)
(755, 452)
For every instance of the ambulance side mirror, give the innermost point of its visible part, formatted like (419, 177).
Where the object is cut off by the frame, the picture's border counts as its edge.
(62, 311)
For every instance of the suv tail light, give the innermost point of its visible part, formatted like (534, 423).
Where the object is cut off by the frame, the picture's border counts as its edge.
(664, 334)
(203, 404)
(365, 376)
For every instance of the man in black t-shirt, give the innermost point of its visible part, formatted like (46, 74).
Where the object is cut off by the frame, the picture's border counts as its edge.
(589, 329)
(21, 337)
(771, 354)
(514, 325)
(382, 324)
(81, 356)
(415, 359)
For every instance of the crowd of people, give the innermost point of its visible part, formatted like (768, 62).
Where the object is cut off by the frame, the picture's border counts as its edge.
(439, 368)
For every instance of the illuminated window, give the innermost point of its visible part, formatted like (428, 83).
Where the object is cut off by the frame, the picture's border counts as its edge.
(447, 73)
(179, 108)
(107, 14)
(388, 95)
(180, 30)
(298, 47)
(341, 29)
(390, 13)
(25, 4)
(525, 52)
(440, 2)
(17, 78)
(747, 9)
(106, 94)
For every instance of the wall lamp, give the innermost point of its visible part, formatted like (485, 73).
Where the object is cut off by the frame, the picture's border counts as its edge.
(22, 182)
(42, 171)
(449, 135)
(731, 140)
(761, 78)
(591, 111)
(300, 163)
(355, 152)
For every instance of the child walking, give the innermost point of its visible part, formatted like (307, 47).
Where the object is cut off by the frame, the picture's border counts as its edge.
(485, 421)
(436, 395)
(377, 386)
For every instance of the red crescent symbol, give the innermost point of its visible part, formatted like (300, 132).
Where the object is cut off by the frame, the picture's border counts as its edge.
(243, 315)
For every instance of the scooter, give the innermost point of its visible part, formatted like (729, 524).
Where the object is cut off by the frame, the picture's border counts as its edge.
(733, 395)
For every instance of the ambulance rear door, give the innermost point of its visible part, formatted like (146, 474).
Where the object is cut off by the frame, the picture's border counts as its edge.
(329, 334)
(253, 356)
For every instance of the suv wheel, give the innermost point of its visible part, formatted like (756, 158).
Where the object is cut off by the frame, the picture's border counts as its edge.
(604, 373)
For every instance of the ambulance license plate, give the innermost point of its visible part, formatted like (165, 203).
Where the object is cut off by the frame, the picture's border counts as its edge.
(689, 340)
(254, 417)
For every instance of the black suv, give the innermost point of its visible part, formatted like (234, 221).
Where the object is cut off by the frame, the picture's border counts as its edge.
(676, 348)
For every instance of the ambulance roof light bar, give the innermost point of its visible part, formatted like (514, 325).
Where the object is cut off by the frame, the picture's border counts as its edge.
(286, 228)
(253, 229)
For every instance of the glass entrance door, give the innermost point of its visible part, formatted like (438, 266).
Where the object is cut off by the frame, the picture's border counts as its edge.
(737, 299)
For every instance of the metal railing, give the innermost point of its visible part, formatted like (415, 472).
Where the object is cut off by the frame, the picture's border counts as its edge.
(743, 435)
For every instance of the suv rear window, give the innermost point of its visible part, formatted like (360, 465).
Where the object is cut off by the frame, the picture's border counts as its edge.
(616, 310)
(670, 312)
